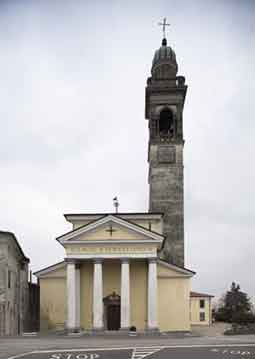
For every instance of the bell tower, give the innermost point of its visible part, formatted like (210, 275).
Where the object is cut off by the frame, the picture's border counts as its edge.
(164, 103)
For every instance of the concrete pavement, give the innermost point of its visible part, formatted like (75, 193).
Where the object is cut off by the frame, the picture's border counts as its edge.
(227, 351)
(126, 347)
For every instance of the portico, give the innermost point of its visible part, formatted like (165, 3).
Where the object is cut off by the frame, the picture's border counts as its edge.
(82, 247)
(99, 322)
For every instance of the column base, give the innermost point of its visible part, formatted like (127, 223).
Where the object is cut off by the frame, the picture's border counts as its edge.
(74, 331)
(98, 330)
(152, 330)
(124, 329)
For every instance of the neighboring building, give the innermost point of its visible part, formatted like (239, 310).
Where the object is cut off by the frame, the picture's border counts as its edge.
(33, 318)
(127, 270)
(14, 291)
(200, 308)
(19, 298)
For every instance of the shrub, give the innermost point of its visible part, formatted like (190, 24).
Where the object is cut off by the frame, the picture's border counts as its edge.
(243, 318)
(132, 329)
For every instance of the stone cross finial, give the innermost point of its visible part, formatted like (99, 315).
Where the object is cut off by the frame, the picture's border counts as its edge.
(116, 204)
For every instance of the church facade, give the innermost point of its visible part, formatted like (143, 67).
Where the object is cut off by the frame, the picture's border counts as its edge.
(112, 278)
(125, 271)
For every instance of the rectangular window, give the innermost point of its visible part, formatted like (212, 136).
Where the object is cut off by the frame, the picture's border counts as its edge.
(202, 303)
(9, 279)
(202, 316)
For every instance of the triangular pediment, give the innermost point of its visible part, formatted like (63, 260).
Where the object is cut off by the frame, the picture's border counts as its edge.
(57, 270)
(110, 228)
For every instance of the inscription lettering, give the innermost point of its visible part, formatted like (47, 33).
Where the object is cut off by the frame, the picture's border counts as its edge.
(112, 250)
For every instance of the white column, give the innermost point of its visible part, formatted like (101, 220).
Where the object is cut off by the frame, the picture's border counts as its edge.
(152, 295)
(125, 295)
(98, 295)
(78, 297)
(71, 296)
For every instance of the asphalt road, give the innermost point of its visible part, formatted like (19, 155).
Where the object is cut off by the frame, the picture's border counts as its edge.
(197, 351)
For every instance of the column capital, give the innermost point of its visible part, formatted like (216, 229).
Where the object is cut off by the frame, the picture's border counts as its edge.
(125, 260)
(152, 260)
(98, 260)
(75, 261)
(71, 260)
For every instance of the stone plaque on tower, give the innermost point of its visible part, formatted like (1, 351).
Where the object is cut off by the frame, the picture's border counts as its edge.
(166, 154)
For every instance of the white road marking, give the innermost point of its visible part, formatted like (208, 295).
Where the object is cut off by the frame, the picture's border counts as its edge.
(140, 353)
(133, 348)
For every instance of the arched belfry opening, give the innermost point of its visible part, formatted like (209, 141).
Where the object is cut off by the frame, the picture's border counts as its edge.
(166, 122)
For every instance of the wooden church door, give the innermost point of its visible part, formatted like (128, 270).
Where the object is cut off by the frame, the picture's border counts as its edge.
(112, 311)
(113, 317)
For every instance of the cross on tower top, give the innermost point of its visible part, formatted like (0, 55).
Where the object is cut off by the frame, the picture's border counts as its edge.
(164, 24)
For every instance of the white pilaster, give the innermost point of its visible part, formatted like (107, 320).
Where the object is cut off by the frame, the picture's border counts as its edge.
(125, 295)
(98, 295)
(152, 295)
(71, 296)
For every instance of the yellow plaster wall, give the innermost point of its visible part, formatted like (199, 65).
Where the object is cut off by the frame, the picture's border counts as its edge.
(111, 278)
(86, 291)
(52, 302)
(173, 304)
(164, 271)
(60, 272)
(138, 294)
(156, 225)
(118, 233)
(195, 311)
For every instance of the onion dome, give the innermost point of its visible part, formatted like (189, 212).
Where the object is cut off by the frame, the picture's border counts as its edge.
(164, 65)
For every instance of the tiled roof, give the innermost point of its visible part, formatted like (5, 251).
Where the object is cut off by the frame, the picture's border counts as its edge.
(196, 294)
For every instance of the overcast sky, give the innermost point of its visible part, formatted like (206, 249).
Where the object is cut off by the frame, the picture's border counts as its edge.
(73, 133)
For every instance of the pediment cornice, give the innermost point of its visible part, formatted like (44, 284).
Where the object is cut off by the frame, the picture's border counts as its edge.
(73, 236)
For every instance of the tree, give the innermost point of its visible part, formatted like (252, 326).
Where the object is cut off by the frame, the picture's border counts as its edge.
(235, 306)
